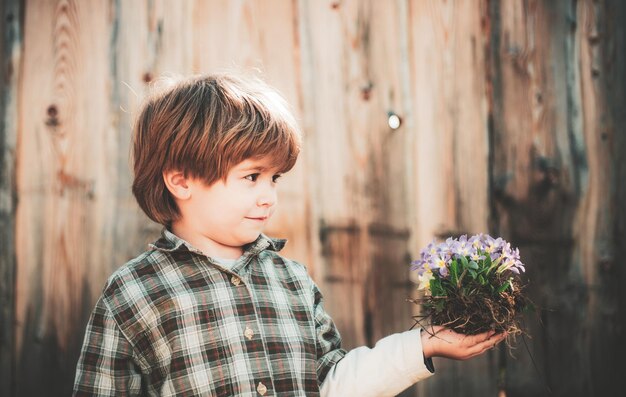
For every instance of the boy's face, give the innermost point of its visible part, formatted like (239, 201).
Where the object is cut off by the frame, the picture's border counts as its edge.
(226, 215)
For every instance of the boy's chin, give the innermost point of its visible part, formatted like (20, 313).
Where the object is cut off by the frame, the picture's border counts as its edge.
(250, 238)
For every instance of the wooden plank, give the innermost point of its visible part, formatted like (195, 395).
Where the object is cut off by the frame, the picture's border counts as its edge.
(10, 55)
(387, 185)
(63, 186)
(325, 75)
(450, 150)
(342, 285)
(136, 45)
(611, 323)
(334, 160)
(602, 83)
(551, 180)
(448, 71)
(351, 54)
(430, 31)
(354, 55)
(531, 182)
(611, 305)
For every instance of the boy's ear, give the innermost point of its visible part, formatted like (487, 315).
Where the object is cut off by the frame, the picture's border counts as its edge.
(177, 184)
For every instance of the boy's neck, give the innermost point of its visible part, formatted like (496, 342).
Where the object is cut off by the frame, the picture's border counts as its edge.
(209, 247)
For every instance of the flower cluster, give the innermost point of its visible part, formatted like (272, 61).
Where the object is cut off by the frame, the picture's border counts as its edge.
(471, 285)
(479, 256)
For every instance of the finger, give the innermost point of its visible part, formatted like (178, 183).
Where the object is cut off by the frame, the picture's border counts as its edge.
(491, 342)
(498, 339)
(497, 336)
(477, 350)
(481, 347)
(479, 338)
(501, 338)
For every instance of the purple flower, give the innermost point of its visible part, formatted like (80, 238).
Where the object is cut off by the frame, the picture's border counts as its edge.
(420, 266)
(510, 260)
(440, 263)
(476, 256)
(463, 247)
(476, 241)
(493, 246)
(427, 257)
(435, 258)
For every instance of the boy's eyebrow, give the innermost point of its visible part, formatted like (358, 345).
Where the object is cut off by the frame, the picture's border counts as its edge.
(258, 168)
(254, 168)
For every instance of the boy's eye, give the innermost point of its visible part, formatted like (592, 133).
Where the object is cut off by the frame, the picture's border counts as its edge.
(275, 177)
(252, 177)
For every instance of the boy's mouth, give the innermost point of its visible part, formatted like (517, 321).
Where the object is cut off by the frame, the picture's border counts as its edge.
(260, 218)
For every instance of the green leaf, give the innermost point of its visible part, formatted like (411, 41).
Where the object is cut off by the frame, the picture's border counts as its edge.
(486, 262)
(436, 289)
(464, 261)
(458, 284)
(473, 273)
(473, 265)
(504, 286)
(494, 264)
(454, 276)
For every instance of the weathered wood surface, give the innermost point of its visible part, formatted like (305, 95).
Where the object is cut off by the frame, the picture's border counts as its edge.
(555, 69)
(10, 52)
(359, 192)
(512, 123)
(533, 153)
(451, 150)
(65, 176)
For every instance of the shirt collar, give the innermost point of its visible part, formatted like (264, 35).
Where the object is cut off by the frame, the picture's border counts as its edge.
(169, 242)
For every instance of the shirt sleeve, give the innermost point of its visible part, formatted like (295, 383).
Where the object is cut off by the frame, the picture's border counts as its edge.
(395, 363)
(106, 366)
(329, 351)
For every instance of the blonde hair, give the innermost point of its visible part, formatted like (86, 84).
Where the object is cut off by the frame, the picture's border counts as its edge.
(203, 126)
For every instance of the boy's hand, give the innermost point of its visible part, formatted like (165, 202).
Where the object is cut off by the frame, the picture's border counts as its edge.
(438, 341)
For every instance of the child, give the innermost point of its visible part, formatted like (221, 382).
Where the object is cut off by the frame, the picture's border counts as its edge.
(211, 308)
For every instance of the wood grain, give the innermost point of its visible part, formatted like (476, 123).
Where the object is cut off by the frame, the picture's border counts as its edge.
(10, 54)
(511, 114)
(551, 184)
(450, 149)
(63, 176)
(353, 76)
(534, 200)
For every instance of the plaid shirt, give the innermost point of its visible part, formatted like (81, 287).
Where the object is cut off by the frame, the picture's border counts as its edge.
(174, 322)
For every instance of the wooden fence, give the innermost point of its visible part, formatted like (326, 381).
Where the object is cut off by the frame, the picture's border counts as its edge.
(512, 123)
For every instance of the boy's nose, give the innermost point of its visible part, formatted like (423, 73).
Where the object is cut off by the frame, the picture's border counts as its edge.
(267, 197)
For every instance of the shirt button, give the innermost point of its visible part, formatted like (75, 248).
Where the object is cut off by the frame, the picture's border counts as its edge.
(235, 280)
(261, 389)
(248, 333)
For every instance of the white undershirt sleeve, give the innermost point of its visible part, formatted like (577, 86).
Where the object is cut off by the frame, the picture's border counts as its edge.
(395, 363)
